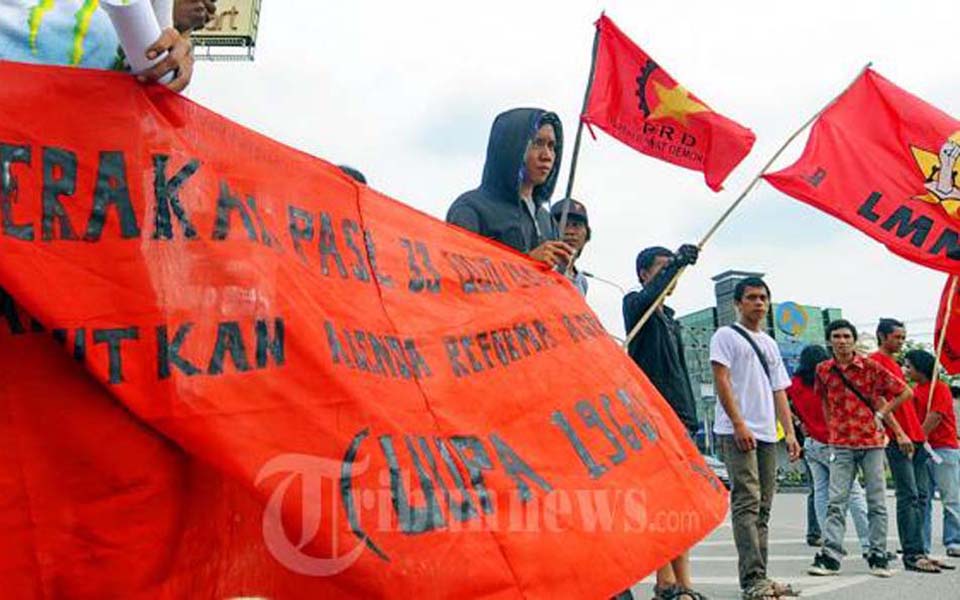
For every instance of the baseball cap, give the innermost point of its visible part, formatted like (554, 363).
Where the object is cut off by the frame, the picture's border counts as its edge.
(576, 211)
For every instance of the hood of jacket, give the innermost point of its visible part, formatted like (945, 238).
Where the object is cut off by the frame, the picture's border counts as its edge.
(504, 168)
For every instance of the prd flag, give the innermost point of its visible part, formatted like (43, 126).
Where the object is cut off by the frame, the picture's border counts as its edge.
(950, 357)
(884, 161)
(633, 99)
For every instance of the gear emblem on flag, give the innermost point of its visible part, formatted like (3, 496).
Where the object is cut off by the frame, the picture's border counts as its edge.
(673, 101)
(940, 171)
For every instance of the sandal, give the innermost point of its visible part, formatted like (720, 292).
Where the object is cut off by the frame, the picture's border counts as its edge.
(784, 589)
(762, 590)
(941, 564)
(921, 564)
(675, 592)
(659, 593)
(694, 594)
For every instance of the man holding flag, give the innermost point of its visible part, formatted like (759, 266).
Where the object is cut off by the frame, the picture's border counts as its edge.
(940, 424)
(523, 160)
(658, 351)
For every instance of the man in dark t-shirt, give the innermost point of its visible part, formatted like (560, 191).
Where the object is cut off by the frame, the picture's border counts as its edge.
(658, 351)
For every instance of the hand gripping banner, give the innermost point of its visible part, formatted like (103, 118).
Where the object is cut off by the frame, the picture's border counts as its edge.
(229, 370)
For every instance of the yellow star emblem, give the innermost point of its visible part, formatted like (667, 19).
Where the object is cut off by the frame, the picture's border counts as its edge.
(929, 164)
(675, 103)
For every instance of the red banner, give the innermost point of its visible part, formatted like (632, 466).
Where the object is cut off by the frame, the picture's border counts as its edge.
(885, 162)
(230, 370)
(633, 99)
(950, 357)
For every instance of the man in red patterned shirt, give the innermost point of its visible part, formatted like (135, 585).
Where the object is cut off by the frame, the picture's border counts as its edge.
(853, 389)
(909, 471)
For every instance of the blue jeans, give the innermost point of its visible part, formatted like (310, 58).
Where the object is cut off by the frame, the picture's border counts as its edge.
(817, 456)
(946, 476)
(813, 524)
(913, 487)
(843, 470)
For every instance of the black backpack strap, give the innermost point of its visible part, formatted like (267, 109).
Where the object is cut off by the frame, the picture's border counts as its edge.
(851, 387)
(756, 349)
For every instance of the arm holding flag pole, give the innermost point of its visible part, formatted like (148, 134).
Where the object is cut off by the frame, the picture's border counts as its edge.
(753, 183)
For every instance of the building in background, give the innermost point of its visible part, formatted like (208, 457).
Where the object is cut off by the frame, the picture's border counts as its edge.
(231, 34)
(791, 324)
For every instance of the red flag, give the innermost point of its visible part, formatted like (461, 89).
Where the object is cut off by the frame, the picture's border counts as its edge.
(257, 377)
(950, 357)
(633, 99)
(884, 161)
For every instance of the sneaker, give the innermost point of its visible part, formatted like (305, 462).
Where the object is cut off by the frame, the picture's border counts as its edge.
(879, 566)
(814, 541)
(823, 565)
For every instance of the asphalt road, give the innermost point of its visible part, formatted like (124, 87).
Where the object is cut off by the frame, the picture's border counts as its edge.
(714, 562)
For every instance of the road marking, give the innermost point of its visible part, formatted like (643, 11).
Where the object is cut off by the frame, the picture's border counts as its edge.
(805, 581)
(837, 584)
(809, 586)
(776, 558)
(780, 542)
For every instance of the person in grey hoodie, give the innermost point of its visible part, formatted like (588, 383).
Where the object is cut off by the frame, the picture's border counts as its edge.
(523, 160)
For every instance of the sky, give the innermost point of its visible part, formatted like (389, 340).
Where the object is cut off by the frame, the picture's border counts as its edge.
(406, 92)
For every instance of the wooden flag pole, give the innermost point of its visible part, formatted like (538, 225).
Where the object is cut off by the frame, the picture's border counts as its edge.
(753, 183)
(576, 141)
(943, 337)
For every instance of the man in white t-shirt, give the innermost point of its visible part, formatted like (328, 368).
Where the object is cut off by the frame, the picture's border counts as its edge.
(751, 383)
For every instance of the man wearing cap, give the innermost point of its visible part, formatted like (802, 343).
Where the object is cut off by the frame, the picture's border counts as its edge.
(658, 351)
(576, 234)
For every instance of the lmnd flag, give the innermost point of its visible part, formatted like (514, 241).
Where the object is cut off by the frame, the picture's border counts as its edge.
(633, 99)
(229, 370)
(950, 357)
(886, 162)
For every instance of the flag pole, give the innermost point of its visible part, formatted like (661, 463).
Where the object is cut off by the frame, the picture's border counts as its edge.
(943, 337)
(753, 183)
(576, 141)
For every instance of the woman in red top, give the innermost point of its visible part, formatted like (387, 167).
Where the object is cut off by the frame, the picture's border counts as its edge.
(808, 408)
(940, 425)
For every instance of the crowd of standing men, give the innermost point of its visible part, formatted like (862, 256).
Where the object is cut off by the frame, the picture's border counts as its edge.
(855, 414)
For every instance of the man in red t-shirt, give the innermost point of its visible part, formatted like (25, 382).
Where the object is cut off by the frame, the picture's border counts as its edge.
(940, 425)
(909, 470)
(854, 389)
